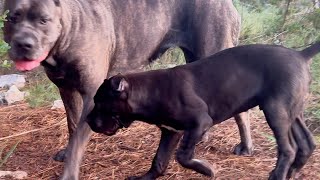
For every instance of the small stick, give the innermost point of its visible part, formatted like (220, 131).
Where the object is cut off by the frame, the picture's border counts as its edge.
(34, 130)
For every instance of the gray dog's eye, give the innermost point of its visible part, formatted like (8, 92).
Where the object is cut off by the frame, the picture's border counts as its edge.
(44, 21)
(12, 19)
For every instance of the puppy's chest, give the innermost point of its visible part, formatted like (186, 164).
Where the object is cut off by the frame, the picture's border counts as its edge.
(169, 128)
(171, 125)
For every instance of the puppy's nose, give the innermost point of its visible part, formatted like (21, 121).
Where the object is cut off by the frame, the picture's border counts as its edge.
(26, 43)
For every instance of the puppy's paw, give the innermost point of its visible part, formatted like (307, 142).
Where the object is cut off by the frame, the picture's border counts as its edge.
(138, 178)
(132, 178)
(205, 168)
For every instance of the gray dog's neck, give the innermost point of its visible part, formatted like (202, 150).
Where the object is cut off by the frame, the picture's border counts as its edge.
(80, 17)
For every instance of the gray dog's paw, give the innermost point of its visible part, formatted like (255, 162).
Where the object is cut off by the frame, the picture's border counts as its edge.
(60, 156)
(242, 150)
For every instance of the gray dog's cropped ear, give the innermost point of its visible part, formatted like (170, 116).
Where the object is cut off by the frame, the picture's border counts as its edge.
(56, 2)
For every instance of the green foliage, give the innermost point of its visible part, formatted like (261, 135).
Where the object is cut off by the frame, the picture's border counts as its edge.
(8, 154)
(273, 22)
(42, 92)
(3, 18)
(170, 58)
(3, 45)
(317, 138)
(258, 25)
(313, 110)
(314, 18)
(295, 26)
(6, 64)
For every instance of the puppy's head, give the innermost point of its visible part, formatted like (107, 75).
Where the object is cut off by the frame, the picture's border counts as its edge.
(111, 110)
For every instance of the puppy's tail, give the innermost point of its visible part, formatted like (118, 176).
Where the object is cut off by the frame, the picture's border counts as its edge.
(311, 51)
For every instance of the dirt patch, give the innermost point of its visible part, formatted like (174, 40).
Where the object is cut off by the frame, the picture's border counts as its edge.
(131, 151)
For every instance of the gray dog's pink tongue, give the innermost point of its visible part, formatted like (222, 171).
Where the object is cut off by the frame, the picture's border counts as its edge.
(27, 65)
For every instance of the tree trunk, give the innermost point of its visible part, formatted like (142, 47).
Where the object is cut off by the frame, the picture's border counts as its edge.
(286, 13)
(316, 4)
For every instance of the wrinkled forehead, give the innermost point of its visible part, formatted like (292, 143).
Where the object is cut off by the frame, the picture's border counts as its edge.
(35, 6)
(103, 93)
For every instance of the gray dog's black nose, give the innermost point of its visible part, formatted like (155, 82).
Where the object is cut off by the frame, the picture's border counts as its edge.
(25, 44)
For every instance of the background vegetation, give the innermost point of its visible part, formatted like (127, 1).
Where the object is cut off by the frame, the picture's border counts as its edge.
(4, 63)
(292, 23)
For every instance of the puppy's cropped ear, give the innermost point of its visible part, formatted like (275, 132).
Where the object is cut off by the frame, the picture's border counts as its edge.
(123, 85)
(120, 85)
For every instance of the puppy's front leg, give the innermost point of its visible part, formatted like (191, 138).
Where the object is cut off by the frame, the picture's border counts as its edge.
(191, 137)
(168, 142)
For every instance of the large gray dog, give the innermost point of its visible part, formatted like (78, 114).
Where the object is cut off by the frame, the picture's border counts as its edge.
(81, 42)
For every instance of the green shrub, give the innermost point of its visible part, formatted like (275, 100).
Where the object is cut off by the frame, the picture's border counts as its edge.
(258, 25)
(42, 91)
(267, 22)
(4, 63)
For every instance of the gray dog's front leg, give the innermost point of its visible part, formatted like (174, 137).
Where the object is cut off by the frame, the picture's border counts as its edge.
(78, 142)
(72, 101)
(75, 151)
(245, 147)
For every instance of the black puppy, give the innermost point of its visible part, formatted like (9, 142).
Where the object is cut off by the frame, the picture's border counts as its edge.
(193, 97)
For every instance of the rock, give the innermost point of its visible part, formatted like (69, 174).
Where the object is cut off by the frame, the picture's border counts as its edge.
(2, 100)
(12, 79)
(58, 104)
(171, 65)
(205, 138)
(13, 174)
(13, 95)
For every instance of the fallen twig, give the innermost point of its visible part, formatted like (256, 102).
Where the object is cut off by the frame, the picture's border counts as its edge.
(34, 130)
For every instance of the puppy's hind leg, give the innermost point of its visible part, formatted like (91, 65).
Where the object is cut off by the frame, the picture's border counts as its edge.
(278, 119)
(305, 145)
(191, 137)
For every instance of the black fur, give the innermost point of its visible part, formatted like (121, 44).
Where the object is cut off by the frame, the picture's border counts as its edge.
(191, 98)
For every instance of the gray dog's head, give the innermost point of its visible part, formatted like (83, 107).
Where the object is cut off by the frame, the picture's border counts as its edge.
(31, 29)
(112, 110)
